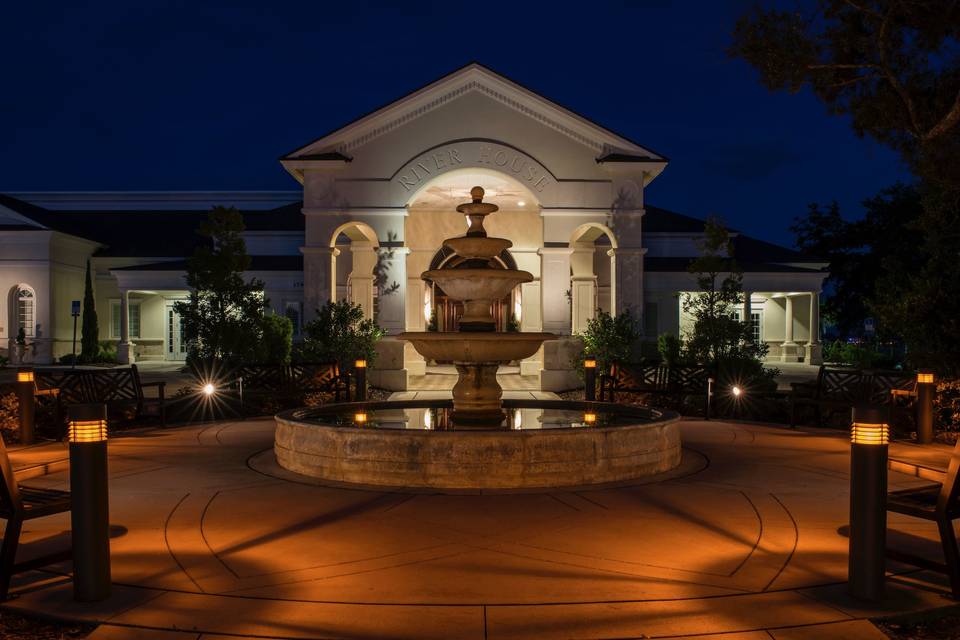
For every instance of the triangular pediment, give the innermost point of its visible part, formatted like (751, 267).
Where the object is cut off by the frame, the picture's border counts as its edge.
(338, 145)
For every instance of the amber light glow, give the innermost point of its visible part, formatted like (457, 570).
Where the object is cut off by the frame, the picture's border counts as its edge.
(590, 363)
(87, 430)
(360, 418)
(360, 364)
(869, 433)
(589, 418)
(24, 376)
(925, 378)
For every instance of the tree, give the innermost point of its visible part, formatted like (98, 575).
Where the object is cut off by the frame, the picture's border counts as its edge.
(717, 335)
(90, 332)
(860, 251)
(277, 341)
(224, 316)
(890, 65)
(609, 339)
(341, 334)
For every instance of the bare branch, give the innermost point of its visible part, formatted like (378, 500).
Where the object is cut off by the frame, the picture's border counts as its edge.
(947, 122)
(863, 9)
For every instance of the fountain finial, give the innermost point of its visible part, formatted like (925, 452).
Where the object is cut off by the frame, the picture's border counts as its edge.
(477, 194)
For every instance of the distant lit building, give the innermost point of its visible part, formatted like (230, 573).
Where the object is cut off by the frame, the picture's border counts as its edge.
(379, 195)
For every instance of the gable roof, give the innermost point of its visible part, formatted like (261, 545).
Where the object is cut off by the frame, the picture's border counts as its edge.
(471, 77)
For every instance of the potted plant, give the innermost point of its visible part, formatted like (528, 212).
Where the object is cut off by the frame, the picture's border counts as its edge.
(21, 345)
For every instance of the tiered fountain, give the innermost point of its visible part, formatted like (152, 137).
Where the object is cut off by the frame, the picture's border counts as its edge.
(477, 350)
(478, 441)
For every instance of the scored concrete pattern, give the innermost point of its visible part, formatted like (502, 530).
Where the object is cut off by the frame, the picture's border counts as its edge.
(211, 537)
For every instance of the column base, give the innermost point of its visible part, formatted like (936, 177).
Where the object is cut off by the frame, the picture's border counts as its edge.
(813, 354)
(125, 353)
(788, 352)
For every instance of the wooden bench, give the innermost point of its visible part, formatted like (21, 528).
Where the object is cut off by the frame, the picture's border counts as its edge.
(839, 389)
(17, 505)
(292, 380)
(672, 383)
(120, 388)
(940, 503)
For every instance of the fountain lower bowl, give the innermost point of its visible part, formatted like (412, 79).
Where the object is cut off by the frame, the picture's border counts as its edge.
(541, 444)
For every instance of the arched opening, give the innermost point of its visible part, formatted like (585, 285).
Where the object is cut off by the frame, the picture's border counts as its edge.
(432, 218)
(593, 273)
(353, 261)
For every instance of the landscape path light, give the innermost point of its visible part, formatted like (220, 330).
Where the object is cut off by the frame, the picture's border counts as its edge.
(26, 386)
(869, 436)
(90, 510)
(590, 378)
(926, 387)
(361, 368)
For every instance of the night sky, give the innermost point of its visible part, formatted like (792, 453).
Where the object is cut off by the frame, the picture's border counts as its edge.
(151, 95)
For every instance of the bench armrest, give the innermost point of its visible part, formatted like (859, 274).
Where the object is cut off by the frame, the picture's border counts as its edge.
(803, 388)
(159, 384)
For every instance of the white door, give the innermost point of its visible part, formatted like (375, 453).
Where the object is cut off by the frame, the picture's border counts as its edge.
(174, 349)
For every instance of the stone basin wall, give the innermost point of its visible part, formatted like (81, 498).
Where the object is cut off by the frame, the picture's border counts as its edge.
(509, 459)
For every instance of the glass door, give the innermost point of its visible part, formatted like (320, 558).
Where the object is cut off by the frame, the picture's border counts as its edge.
(175, 347)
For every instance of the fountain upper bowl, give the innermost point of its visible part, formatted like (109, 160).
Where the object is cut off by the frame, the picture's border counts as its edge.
(477, 284)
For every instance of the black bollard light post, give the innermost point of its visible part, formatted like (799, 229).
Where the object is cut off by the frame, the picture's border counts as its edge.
(925, 391)
(868, 502)
(26, 387)
(361, 369)
(90, 511)
(589, 378)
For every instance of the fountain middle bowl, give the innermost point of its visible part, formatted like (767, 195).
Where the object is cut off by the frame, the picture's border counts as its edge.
(476, 347)
(477, 284)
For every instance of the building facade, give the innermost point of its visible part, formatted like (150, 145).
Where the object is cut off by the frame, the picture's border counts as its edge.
(375, 200)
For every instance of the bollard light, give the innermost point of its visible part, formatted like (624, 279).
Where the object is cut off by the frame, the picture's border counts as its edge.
(208, 389)
(26, 389)
(589, 417)
(869, 437)
(736, 391)
(360, 364)
(86, 431)
(90, 511)
(926, 389)
(709, 397)
(360, 418)
(589, 378)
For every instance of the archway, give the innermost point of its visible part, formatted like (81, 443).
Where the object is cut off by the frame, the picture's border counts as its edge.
(444, 313)
(593, 273)
(353, 260)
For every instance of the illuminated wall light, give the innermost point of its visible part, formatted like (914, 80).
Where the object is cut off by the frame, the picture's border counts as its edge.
(521, 203)
(870, 433)
(87, 430)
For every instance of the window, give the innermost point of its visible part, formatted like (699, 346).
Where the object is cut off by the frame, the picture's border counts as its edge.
(133, 310)
(25, 311)
(293, 309)
(756, 322)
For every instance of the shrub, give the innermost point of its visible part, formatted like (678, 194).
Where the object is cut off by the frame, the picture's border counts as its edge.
(946, 405)
(610, 339)
(277, 341)
(9, 415)
(669, 346)
(340, 333)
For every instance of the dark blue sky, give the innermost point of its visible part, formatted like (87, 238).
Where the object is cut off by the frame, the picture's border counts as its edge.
(206, 95)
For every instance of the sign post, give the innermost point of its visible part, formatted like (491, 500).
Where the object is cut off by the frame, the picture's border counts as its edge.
(75, 312)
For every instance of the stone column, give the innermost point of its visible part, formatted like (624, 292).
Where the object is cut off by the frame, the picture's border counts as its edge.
(629, 281)
(554, 284)
(125, 349)
(787, 349)
(813, 353)
(361, 278)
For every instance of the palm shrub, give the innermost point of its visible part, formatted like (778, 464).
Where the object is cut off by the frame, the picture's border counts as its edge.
(341, 334)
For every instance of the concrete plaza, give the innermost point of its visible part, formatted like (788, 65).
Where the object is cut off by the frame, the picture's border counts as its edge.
(213, 540)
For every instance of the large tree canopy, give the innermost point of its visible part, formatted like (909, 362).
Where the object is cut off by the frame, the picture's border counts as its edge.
(893, 66)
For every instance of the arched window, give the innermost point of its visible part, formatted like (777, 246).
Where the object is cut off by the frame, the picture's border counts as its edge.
(25, 302)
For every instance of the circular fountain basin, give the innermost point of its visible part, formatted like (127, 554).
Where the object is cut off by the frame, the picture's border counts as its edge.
(540, 444)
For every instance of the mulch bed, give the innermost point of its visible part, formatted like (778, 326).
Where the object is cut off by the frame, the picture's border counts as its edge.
(940, 624)
(14, 626)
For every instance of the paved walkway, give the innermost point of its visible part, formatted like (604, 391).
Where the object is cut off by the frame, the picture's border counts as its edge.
(213, 540)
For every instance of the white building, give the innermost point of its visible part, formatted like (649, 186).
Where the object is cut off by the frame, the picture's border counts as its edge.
(380, 193)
